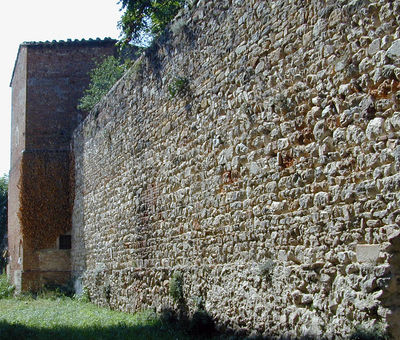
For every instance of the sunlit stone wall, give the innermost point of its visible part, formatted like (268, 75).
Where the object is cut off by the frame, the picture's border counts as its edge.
(269, 179)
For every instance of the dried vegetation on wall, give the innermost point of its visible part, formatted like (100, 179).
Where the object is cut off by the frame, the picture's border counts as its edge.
(45, 207)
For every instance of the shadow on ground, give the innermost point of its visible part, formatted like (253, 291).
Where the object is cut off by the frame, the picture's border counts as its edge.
(168, 325)
(18, 331)
(156, 332)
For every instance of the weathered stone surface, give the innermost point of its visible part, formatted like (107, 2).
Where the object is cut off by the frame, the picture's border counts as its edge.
(367, 252)
(375, 128)
(394, 51)
(279, 162)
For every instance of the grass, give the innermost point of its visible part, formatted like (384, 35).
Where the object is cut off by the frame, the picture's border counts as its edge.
(66, 318)
(6, 289)
(63, 318)
(56, 317)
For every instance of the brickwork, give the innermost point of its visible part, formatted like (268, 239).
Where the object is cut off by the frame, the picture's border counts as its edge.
(18, 84)
(47, 82)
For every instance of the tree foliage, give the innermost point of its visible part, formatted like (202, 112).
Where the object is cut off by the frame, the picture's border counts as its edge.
(143, 18)
(105, 74)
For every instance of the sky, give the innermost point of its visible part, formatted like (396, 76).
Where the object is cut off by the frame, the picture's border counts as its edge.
(41, 20)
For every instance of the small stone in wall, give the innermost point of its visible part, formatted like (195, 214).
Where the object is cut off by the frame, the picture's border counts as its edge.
(346, 118)
(396, 154)
(241, 149)
(394, 50)
(320, 130)
(321, 199)
(254, 168)
(260, 67)
(374, 46)
(305, 201)
(283, 143)
(375, 128)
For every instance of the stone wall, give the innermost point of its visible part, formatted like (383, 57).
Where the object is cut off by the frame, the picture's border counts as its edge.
(270, 180)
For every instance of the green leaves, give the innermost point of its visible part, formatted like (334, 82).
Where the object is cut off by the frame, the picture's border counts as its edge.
(164, 12)
(176, 287)
(178, 86)
(6, 290)
(102, 78)
(145, 19)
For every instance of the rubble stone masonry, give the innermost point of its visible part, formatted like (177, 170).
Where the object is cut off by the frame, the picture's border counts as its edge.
(269, 179)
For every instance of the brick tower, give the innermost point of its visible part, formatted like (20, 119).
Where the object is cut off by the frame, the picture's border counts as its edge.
(48, 80)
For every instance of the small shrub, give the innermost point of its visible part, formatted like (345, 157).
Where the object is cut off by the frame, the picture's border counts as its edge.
(363, 333)
(25, 296)
(102, 78)
(148, 316)
(179, 86)
(176, 287)
(266, 269)
(6, 290)
(83, 297)
(48, 294)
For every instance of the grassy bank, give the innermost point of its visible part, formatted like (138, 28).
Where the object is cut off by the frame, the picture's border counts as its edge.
(56, 317)
(65, 318)
(53, 315)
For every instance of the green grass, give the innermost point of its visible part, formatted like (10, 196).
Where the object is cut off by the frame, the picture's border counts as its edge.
(56, 317)
(65, 318)
(62, 318)
(6, 289)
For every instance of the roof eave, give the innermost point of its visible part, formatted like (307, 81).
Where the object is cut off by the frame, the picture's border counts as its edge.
(61, 43)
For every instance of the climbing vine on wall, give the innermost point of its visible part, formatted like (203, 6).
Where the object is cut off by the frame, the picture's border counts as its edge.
(45, 209)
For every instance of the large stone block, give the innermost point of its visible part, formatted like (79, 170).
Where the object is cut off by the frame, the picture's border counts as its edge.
(367, 253)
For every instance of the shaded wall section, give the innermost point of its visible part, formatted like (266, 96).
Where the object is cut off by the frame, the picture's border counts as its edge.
(18, 112)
